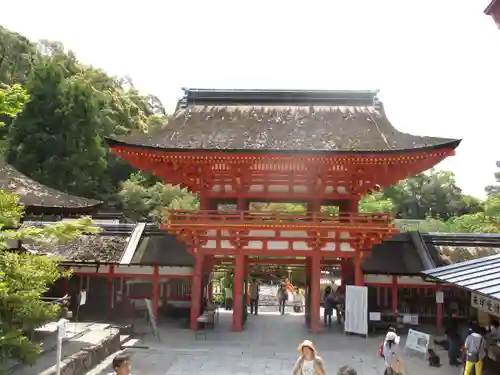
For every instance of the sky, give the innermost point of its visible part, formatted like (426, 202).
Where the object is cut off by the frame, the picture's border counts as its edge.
(435, 62)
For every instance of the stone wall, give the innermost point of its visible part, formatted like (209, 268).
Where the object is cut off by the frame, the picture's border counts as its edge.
(84, 360)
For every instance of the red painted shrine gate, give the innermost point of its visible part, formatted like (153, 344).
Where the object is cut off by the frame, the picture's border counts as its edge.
(320, 148)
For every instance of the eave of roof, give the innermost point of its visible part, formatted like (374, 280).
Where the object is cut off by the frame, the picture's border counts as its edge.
(449, 145)
(477, 275)
(490, 6)
(35, 196)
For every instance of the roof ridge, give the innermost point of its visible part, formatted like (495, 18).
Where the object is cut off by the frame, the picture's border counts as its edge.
(248, 96)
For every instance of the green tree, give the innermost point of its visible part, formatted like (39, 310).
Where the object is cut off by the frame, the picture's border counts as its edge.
(16, 57)
(24, 277)
(435, 194)
(141, 200)
(376, 202)
(12, 100)
(494, 189)
(56, 136)
(72, 108)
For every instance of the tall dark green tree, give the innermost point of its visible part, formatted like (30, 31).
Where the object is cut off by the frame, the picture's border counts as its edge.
(72, 108)
(17, 54)
(57, 135)
(434, 194)
(494, 189)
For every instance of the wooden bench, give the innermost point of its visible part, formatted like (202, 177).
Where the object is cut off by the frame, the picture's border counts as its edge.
(207, 319)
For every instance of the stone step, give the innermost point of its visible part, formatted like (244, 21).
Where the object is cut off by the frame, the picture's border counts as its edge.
(80, 353)
(126, 342)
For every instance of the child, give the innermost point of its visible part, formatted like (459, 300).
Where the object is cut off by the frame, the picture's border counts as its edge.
(121, 365)
(308, 362)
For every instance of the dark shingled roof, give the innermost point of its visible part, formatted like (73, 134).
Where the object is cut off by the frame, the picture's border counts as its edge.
(282, 121)
(163, 250)
(396, 256)
(35, 195)
(95, 248)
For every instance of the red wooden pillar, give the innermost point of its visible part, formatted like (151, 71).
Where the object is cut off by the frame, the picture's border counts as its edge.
(439, 314)
(315, 291)
(247, 276)
(156, 290)
(239, 280)
(394, 294)
(352, 206)
(111, 287)
(358, 272)
(196, 291)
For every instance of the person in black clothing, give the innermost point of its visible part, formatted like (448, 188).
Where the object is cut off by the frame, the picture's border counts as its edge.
(454, 339)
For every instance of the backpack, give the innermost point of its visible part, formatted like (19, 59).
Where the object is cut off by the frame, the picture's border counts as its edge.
(434, 359)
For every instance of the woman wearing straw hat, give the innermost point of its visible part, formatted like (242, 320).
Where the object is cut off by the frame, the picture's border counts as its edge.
(308, 363)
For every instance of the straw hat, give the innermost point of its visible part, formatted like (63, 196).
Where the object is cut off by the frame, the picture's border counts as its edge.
(309, 344)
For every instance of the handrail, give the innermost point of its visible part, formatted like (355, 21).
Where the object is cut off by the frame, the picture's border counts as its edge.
(235, 217)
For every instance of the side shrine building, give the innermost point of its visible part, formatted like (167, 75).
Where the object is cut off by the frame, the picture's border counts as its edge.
(319, 148)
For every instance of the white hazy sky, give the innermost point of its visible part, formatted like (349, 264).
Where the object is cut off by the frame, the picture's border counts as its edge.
(435, 61)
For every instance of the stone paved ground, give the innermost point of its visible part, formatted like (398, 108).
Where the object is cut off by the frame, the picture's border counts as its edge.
(267, 346)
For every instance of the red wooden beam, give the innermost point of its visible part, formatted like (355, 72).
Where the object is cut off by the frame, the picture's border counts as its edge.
(284, 253)
(130, 275)
(280, 196)
(273, 261)
(409, 286)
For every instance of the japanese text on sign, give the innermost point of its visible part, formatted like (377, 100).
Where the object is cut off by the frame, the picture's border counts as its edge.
(489, 305)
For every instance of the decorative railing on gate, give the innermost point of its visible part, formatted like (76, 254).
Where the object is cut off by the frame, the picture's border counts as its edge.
(307, 220)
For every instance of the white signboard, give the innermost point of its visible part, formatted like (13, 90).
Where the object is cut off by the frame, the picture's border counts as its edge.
(83, 297)
(418, 341)
(61, 334)
(356, 310)
(486, 304)
(375, 317)
(439, 297)
(410, 319)
(61, 329)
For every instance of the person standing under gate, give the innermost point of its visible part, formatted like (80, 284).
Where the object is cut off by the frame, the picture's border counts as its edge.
(282, 298)
(228, 298)
(254, 297)
(329, 304)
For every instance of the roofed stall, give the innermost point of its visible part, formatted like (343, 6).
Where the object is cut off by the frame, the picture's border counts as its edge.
(319, 148)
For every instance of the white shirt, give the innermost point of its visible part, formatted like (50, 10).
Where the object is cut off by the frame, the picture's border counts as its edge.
(308, 367)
